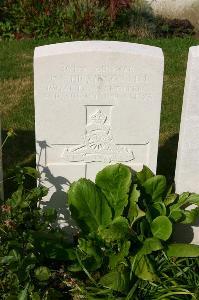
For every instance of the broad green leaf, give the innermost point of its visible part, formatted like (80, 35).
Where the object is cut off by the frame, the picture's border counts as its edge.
(178, 212)
(183, 250)
(36, 194)
(191, 216)
(7, 259)
(185, 200)
(23, 295)
(91, 250)
(179, 202)
(155, 187)
(143, 229)
(133, 200)
(115, 181)
(159, 208)
(88, 205)
(140, 264)
(161, 228)
(115, 259)
(12, 257)
(150, 245)
(117, 230)
(141, 214)
(31, 172)
(144, 175)
(16, 198)
(117, 280)
(42, 273)
(87, 246)
(142, 268)
(170, 199)
(183, 197)
(35, 296)
(193, 199)
(74, 267)
(177, 215)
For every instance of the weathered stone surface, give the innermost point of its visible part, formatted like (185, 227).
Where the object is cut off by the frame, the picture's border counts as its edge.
(187, 165)
(96, 103)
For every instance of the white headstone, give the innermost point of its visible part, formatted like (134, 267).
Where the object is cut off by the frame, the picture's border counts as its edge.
(187, 164)
(96, 103)
(1, 169)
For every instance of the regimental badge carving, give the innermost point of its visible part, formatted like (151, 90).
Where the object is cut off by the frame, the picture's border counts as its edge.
(99, 145)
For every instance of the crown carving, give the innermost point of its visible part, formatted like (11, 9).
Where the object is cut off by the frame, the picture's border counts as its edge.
(98, 117)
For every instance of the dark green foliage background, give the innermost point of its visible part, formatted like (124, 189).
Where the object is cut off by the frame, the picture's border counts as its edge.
(84, 19)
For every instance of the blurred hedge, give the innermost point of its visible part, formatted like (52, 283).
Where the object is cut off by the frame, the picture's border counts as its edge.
(83, 18)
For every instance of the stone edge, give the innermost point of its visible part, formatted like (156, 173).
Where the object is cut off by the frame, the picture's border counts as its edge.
(193, 53)
(97, 46)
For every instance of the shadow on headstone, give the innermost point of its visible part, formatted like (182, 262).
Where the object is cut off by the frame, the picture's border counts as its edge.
(167, 154)
(58, 198)
(183, 233)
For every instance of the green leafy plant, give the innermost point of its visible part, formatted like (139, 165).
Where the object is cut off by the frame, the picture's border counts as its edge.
(126, 219)
(179, 279)
(46, 18)
(31, 245)
(123, 249)
(86, 16)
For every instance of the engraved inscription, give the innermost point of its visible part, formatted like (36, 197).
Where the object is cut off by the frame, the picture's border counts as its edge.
(115, 82)
(99, 145)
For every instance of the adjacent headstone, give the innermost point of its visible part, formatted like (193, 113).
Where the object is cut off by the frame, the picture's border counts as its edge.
(187, 164)
(96, 103)
(1, 169)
